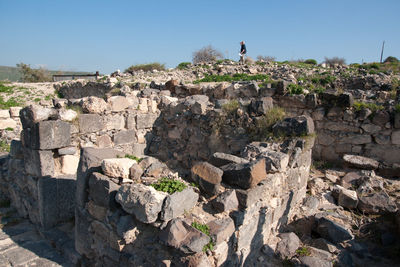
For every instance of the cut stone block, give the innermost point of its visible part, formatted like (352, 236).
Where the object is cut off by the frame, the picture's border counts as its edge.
(67, 151)
(245, 175)
(118, 167)
(90, 162)
(7, 123)
(361, 162)
(39, 162)
(94, 105)
(219, 159)
(125, 137)
(118, 103)
(208, 177)
(145, 121)
(297, 126)
(226, 201)
(90, 123)
(48, 135)
(178, 203)
(275, 161)
(69, 164)
(142, 201)
(221, 229)
(102, 190)
(35, 113)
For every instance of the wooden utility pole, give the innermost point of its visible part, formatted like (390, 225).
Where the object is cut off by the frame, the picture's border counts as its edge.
(383, 47)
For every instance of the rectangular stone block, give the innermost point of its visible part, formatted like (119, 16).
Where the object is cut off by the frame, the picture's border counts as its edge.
(39, 162)
(90, 123)
(102, 190)
(144, 121)
(66, 190)
(124, 137)
(48, 135)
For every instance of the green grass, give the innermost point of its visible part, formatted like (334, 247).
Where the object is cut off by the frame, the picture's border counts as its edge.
(5, 88)
(397, 108)
(4, 146)
(303, 251)
(11, 102)
(37, 99)
(371, 106)
(9, 129)
(169, 185)
(206, 230)
(295, 89)
(146, 67)
(133, 157)
(231, 107)
(234, 77)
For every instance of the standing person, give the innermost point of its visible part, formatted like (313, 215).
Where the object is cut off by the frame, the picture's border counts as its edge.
(242, 52)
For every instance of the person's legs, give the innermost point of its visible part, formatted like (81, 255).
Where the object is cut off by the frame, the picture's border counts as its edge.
(241, 59)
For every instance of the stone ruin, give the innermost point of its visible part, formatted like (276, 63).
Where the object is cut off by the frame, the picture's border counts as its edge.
(84, 166)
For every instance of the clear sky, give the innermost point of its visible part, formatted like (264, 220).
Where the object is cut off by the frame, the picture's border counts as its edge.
(102, 35)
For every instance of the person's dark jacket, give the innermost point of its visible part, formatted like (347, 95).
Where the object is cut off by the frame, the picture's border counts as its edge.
(243, 49)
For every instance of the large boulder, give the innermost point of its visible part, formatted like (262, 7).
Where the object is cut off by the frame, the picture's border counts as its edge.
(245, 175)
(118, 167)
(178, 203)
(142, 201)
(94, 105)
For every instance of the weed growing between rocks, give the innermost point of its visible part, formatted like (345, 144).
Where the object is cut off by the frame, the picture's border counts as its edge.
(133, 157)
(4, 146)
(183, 65)
(146, 67)
(303, 251)
(206, 230)
(169, 185)
(371, 106)
(264, 123)
(231, 107)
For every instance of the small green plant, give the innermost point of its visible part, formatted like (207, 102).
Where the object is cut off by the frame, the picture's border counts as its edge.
(133, 157)
(5, 88)
(206, 230)
(371, 106)
(11, 102)
(397, 108)
(37, 99)
(76, 108)
(303, 251)
(231, 107)
(183, 65)
(295, 89)
(9, 129)
(193, 184)
(169, 185)
(265, 123)
(4, 146)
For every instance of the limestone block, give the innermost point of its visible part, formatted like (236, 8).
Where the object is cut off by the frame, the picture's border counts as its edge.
(118, 167)
(178, 203)
(152, 105)
(39, 162)
(131, 121)
(118, 103)
(144, 121)
(35, 113)
(167, 100)
(376, 203)
(7, 123)
(14, 111)
(142, 201)
(139, 149)
(69, 164)
(219, 159)
(396, 137)
(318, 114)
(104, 141)
(382, 139)
(67, 114)
(114, 122)
(94, 104)
(179, 234)
(207, 176)
(221, 229)
(143, 105)
(4, 114)
(90, 123)
(90, 162)
(226, 201)
(102, 190)
(245, 175)
(221, 253)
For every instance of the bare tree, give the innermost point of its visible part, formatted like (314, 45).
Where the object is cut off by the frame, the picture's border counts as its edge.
(206, 54)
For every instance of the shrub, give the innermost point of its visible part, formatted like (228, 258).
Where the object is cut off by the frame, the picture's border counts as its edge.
(206, 230)
(265, 58)
(249, 60)
(391, 60)
(310, 61)
(169, 185)
(33, 75)
(133, 157)
(206, 54)
(335, 61)
(303, 251)
(146, 67)
(183, 65)
(264, 123)
(371, 106)
(295, 89)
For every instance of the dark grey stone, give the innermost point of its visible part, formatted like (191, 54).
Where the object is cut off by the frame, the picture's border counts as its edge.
(39, 162)
(90, 162)
(51, 135)
(124, 137)
(361, 162)
(281, 87)
(261, 106)
(375, 202)
(332, 231)
(309, 261)
(345, 100)
(16, 150)
(66, 191)
(286, 248)
(90, 123)
(67, 151)
(245, 175)
(226, 201)
(102, 190)
(297, 126)
(219, 159)
(178, 203)
(221, 229)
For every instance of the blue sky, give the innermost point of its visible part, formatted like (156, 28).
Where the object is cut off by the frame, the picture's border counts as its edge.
(109, 35)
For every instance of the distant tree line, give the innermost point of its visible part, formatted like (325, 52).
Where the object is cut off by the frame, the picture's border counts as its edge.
(33, 75)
